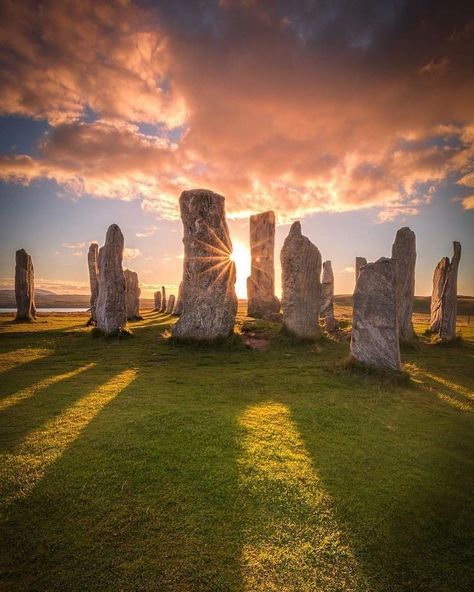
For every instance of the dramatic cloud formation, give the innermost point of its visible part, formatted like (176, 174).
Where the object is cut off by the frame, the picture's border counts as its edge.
(330, 106)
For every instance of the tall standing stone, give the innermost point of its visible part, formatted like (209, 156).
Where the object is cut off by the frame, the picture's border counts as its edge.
(93, 265)
(163, 299)
(24, 286)
(111, 309)
(170, 306)
(327, 298)
(360, 262)
(261, 299)
(209, 301)
(374, 339)
(404, 255)
(132, 295)
(157, 296)
(444, 296)
(301, 272)
(179, 301)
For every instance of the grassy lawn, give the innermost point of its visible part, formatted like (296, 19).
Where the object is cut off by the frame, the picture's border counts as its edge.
(143, 465)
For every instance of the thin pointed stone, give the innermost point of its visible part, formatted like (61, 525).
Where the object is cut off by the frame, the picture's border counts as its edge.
(404, 255)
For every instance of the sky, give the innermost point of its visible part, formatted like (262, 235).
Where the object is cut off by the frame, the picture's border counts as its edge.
(356, 118)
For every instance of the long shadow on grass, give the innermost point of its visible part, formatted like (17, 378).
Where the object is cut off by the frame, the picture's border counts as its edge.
(398, 468)
(145, 498)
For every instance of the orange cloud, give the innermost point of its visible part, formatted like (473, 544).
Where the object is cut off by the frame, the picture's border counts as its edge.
(324, 113)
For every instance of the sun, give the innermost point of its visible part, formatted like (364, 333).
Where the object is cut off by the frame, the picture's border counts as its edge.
(241, 257)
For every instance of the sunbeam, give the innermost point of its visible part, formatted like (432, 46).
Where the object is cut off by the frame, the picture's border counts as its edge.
(12, 359)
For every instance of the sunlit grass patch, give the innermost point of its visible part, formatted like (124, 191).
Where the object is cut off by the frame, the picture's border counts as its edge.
(12, 359)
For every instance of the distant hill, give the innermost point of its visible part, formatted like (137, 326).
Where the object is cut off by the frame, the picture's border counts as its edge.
(422, 303)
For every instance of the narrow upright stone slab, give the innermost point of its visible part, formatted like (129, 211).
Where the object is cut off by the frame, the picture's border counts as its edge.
(261, 299)
(179, 301)
(404, 255)
(327, 298)
(301, 272)
(93, 265)
(157, 297)
(111, 308)
(444, 296)
(209, 301)
(132, 295)
(447, 330)
(374, 339)
(24, 286)
(360, 262)
(163, 299)
(170, 306)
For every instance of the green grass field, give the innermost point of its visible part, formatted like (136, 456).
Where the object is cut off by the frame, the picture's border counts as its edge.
(143, 465)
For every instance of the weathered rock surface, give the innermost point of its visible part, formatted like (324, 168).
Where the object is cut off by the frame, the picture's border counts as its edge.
(360, 262)
(327, 298)
(444, 296)
(24, 286)
(179, 301)
(404, 255)
(170, 306)
(374, 339)
(163, 299)
(157, 297)
(132, 295)
(209, 303)
(111, 309)
(261, 299)
(301, 272)
(93, 265)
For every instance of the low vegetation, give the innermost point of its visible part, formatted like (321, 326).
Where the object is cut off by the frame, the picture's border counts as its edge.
(141, 464)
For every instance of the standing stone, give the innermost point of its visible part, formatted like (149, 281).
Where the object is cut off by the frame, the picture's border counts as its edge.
(261, 299)
(24, 287)
(360, 262)
(404, 255)
(301, 272)
(444, 296)
(132, 295)
(163, 299)
(179, 301)
(157, 296)
(111, 309)
(170, 307)
(374, 339)
(209, 303)
(327, 298)
(93, 264)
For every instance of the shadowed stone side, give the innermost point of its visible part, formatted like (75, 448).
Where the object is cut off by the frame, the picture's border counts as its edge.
(360, 262)
(444, 296)
(301, 286)
(110, 308)
(261, 299)
(327, 298)
(157, 296)
(132, 295)
(404, 255)
(163, 299)
(93, 265)
(209, 301)
(171, 301)
(374, 339)
(24, 286)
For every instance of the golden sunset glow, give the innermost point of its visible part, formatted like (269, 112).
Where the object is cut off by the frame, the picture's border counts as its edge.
(241, 257)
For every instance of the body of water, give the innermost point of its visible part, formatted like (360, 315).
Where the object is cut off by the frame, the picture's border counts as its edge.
(10, 310)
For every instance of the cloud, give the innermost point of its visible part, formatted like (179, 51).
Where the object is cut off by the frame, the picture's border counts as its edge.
(468, 203)
(331, 108)
(148, 231)
(130, 253)
(349, 269)
(74, 245)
